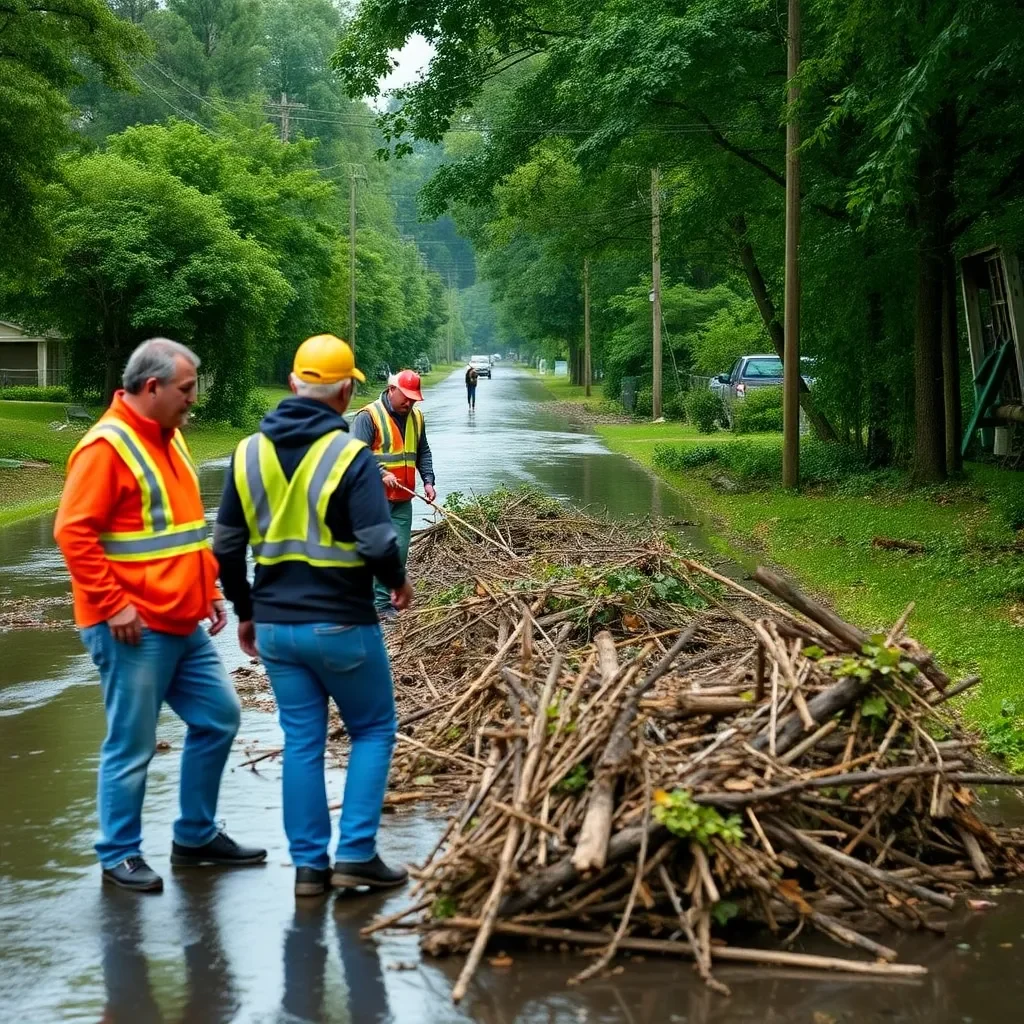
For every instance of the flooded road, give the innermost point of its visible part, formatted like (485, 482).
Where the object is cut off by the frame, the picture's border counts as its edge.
(221, 947)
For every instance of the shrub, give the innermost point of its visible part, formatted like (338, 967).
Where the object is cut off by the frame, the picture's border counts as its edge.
(684, 456)
(674, 405)
(25, 393)
(644, 405)
(704, 409)
(759, 410)
(820, 461)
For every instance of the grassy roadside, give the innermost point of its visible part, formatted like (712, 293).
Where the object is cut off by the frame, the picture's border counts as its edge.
(967, 582)
(28, 430)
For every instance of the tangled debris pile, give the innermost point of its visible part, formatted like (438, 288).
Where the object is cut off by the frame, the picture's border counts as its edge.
(646, 749)
(33, 612)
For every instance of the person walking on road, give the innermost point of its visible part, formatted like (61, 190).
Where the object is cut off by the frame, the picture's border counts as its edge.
(395, 431)
(306, 495)
(131, 529)
(471, 381)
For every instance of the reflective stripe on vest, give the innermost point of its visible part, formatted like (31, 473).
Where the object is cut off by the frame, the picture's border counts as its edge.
(287, 518)
(160, 536)
(391, 449)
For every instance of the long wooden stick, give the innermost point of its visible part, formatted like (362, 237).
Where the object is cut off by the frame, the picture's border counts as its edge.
(672, 947)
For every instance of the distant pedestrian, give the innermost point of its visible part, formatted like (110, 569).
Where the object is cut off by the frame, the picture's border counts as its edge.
(132, 531)
(394, 429)
(307, 497)
(471, 378)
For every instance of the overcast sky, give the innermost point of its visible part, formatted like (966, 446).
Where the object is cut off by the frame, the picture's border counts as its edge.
(412, 58)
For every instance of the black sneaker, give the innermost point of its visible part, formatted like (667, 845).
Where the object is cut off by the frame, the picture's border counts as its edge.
(222, 849)
(135, 874)
(351, 874)
(312, 881)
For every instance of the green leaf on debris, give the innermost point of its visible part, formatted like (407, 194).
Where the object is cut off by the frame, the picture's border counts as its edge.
(724, 911)
(682, 817)
(576, 781)
(444, 907)
(874, 707)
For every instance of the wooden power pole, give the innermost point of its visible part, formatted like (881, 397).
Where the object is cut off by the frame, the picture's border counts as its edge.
(586, 326)
(286, 108)
(791, 315)
(656, 289)
(355, 172)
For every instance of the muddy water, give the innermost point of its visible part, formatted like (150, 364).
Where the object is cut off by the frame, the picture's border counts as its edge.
(222, 947)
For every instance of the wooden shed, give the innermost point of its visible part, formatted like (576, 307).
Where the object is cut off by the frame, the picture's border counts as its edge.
(993, 293)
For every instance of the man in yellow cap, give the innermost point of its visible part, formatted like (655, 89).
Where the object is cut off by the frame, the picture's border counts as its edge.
(307, 497)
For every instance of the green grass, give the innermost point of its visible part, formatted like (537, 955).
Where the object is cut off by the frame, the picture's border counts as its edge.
(27, 432)
(968, 586)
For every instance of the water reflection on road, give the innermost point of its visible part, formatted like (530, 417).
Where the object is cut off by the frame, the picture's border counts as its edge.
(222, 947)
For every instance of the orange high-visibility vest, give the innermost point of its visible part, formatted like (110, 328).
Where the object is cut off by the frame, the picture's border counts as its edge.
(397, 454)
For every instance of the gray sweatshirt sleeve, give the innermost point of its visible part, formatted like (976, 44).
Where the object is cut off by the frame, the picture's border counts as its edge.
(425, 458)
(362, 428)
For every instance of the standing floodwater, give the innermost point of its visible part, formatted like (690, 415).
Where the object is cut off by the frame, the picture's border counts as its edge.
(220, 947)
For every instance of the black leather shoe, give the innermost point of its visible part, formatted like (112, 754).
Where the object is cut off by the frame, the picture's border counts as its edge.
(135, 874)
(222, 849)
(312, 881)
(350, 874)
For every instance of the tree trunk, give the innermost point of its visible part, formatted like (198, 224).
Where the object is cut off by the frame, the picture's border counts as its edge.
(934, 203)
(951, 368)
(818, 421)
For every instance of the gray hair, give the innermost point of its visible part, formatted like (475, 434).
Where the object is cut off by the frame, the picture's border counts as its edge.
(155, 357)
(321, 392)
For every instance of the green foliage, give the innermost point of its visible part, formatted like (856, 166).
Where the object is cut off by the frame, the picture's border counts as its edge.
(760, 410)
(23, 393)
(688, 820)
(680, 457)
(724, 911)
(45, 51)
(1005, 734)
(443, 907)
(138, 253)
(576, 780)
(704, 410)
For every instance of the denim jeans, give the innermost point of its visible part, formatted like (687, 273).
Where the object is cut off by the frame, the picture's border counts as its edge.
(401, 518)
(308, 665)
(185, 672)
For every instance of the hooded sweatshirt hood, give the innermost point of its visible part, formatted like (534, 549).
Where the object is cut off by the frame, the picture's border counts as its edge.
(298, 422)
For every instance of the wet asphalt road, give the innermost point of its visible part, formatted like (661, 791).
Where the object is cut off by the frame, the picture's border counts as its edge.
(221, 947)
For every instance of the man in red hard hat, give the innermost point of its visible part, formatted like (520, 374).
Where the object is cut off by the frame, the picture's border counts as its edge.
(394, 429)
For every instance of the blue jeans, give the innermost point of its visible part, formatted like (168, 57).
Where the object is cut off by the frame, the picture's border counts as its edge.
(185, 672)
(309, 664)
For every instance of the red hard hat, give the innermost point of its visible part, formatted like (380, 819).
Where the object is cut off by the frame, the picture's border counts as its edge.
(408, 382)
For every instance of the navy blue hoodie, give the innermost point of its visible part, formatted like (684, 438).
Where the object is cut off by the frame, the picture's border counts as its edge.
(357, 511)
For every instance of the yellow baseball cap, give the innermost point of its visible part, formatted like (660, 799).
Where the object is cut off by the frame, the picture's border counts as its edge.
(325, 359)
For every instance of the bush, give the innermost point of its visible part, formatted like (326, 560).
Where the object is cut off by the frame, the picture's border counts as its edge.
(644, 405)
(25, 393)
(704, 410)
(674, 405)
(684, 456)
(759, 410)
(820, 461)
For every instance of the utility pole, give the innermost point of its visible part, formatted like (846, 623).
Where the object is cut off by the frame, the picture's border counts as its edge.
(355, 171)
(451, 319)
(791, 315)
(656, 289)
(586, 326)
(285, 107)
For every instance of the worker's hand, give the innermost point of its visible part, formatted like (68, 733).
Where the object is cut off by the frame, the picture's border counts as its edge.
(218, 616)
(390, 480)
(247, 638)
(402, 597)
(428, 490)
(126, 625)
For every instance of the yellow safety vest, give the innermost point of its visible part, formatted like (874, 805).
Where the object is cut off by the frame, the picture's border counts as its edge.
(160, 536)
(287, 518)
